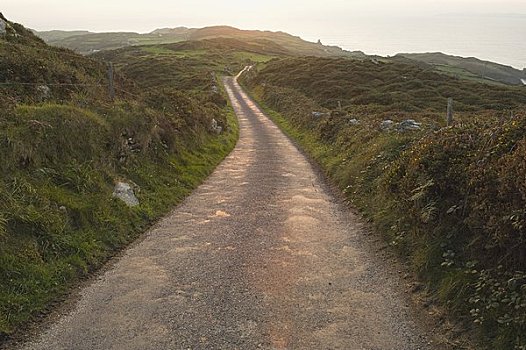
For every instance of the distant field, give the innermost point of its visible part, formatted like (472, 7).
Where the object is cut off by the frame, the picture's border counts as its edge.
(92, 42)
(470, 68)
(382, 87)
(188, 66)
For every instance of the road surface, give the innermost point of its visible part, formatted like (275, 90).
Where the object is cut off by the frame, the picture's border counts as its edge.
(261, 256)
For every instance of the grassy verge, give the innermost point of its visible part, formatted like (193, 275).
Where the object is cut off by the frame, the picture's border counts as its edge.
(64, 144)
(450, 201)
(58, 220)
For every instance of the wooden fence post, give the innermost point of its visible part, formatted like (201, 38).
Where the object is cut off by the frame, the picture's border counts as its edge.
(111, 85)
(449, 111)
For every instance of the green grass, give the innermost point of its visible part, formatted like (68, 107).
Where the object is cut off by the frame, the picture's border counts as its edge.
(188, 66)
(252, 57)
(46, 249)
(275, 43)
(466, 75)
(450, 200)
(60, 157)
(363, 87)
(468, 67)
(156, 50)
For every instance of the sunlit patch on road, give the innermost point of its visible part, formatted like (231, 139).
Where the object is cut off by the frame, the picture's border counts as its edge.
(221, 214)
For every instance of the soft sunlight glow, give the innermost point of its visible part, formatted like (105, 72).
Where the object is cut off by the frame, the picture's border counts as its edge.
(490, 29)
(103, 15)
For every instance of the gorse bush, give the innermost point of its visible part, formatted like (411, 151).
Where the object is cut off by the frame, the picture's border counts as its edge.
(451, 200)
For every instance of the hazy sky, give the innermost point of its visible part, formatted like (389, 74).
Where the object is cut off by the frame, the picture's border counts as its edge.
(374, 26)
(133, 15)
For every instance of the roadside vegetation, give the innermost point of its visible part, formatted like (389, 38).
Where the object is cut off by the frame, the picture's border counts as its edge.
(451, 200)
(63, 146)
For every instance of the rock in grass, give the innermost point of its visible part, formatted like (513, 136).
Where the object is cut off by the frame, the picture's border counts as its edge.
(124, 192)
(43, 92)
(3, 27)
(406, 125)
(409, 124)
(318, 114)
(387, 124)
(215, 127)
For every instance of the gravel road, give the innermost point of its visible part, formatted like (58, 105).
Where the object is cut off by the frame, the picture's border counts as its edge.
(260, 256)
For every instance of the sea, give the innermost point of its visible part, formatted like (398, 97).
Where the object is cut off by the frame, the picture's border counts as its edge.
(497, 38)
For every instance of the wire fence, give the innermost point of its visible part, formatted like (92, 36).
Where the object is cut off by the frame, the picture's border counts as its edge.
(65, 52)
(147, 90)
(109, 83)
(48, 84)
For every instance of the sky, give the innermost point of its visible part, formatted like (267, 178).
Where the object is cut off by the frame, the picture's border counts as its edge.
(338, 22)
(143, 16)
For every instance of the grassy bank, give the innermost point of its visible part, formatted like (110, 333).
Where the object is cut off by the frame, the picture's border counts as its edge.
(450, 200)
(63, 146)
(59, 223)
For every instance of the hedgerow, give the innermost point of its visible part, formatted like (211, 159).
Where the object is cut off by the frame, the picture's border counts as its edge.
(451, 200)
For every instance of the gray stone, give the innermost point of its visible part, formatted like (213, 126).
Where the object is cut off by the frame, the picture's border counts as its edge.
(44, 92)
(409, 124)
(387, 124)
(3, 27)
(215, 127)
(124, 192)
(318, 114)
(354, 121)
(406, 125)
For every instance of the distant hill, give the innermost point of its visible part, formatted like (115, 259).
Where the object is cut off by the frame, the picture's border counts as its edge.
(188, 65)
(471, 67)
(88, 42)
(280, 43)
(294, 44)
(55, 35)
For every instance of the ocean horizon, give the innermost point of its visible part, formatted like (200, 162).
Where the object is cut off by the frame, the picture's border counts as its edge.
(497, 38)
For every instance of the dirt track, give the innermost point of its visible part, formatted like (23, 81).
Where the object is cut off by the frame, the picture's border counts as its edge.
(259, 256)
